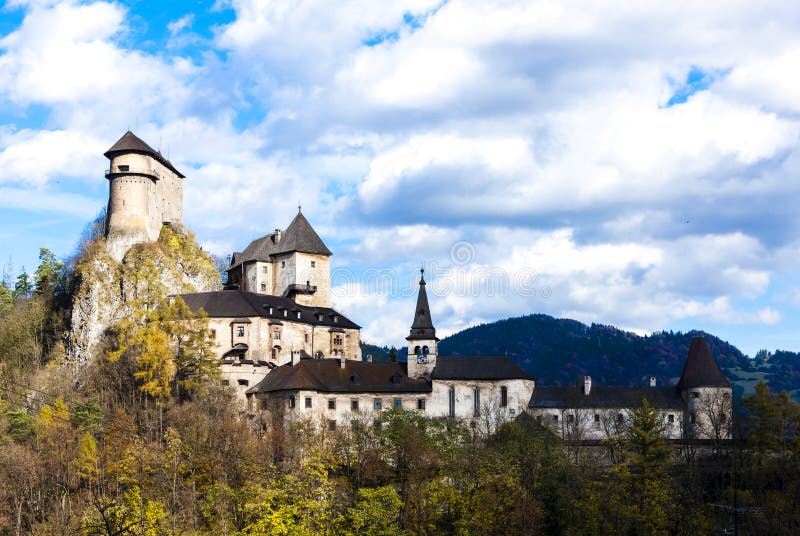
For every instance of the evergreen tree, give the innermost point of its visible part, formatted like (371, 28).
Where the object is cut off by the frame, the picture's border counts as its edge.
(23, 287)
(49, 275)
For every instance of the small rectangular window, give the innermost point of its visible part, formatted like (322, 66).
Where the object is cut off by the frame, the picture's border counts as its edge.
(354, 405)
(452, 401)
(503, 396)
(124, 167)
(671, 418)
(226, 382)
(291, 401)
(694, 394)
(308, 401)
(306, 337)
(692, 418)
(240, 331)
(620, 417)
(331, 404)
(476, 399)
(398, 403)
(276, 335)
(596, 417)
(570, 418)
(263, 404)
(313, 264)
(263, 287)
(265, 269)
(421, 404)
(244, 383)
(555, 418)
(283, 264)
(378, 404)
(213, 334)
(331, 425)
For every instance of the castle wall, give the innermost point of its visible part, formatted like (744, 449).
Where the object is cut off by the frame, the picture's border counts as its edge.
(261, 335)
(709, 412)
(592, 424)
(491, 411)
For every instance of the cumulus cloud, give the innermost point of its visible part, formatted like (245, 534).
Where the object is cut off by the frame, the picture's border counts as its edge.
(561, 144)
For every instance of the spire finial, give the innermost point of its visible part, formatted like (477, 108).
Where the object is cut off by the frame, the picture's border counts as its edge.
(299, 209)
(422, 276)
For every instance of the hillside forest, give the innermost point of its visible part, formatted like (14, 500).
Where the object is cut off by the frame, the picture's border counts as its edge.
(144, 440)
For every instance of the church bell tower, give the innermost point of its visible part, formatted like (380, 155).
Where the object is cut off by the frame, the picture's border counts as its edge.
(422, 341)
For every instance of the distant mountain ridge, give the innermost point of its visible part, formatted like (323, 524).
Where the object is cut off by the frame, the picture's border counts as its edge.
(560, 351)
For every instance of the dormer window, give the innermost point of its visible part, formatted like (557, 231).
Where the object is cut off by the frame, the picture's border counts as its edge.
(285, 313)
(355, 379)
(396, 378)
(319, 317)
(298, 315)
(271, 310)
(335, 319)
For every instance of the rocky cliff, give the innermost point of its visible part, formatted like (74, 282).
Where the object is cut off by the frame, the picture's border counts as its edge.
(107, 290)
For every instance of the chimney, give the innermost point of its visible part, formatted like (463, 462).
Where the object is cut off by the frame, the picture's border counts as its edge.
(652, 381)
(341, 360)
(295, 357)
(587, 385)
(276, 237)
(369, 358)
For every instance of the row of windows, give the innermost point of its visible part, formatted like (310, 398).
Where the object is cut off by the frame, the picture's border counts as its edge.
(377, 403)
(265, 269)
(476, 400)
(620, 418)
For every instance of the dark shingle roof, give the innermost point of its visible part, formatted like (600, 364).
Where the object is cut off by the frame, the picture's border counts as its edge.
(237, 303)
(458, 367)
(259, 249)
(605, 397)
(300, 236)
(700, 369)
(131, 143)
(326, 375)
(422, 326)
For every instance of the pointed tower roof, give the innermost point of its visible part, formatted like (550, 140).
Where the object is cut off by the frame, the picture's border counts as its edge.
(422, 327)
(300, 236)
(701, 370)
(131, 143)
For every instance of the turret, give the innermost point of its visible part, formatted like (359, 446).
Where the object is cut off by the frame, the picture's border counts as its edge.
(422, 341)
(707, 394)
(145, 192)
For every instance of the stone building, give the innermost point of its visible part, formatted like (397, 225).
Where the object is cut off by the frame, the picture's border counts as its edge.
(275, 309)
(698, 407)
(293, 264)
(145, 192)
(484, 390)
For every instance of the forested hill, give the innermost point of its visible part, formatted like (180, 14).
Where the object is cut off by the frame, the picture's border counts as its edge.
(560, 351)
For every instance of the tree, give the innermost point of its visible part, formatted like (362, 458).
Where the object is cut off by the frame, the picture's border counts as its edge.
(648, 453)
(48, 278)
(23, 287)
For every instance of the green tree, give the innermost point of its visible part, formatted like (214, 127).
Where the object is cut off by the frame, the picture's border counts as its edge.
(49, 275)
(23, 287)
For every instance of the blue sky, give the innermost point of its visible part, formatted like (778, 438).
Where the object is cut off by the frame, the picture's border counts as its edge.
(627, 166)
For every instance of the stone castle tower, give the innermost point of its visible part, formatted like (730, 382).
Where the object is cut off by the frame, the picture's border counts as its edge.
(145, 192)
(294, 263)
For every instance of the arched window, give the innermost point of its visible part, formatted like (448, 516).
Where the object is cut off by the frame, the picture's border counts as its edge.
(417, 350)
(319, 355)
(424, 350)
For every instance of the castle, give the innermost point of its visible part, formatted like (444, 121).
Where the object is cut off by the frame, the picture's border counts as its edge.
(145, 192)
(290, 356)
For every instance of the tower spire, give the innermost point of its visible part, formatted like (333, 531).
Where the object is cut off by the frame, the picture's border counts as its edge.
(422, 326)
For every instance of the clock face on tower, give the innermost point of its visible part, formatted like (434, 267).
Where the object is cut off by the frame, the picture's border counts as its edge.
(422, 359)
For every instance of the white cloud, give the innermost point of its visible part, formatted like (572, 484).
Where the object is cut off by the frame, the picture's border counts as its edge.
(180, 24)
